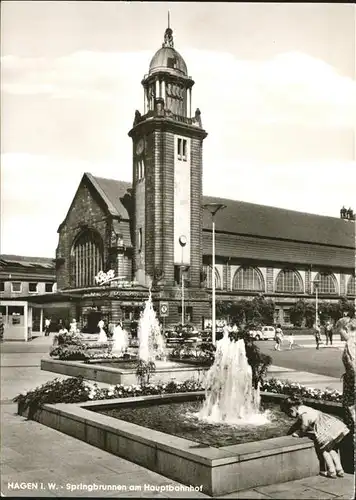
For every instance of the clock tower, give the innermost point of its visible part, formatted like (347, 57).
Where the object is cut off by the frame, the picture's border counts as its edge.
(167, 178)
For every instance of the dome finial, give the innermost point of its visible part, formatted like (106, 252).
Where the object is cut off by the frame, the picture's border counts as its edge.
(168, 34)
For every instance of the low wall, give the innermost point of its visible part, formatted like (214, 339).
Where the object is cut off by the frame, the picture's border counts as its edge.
(218, 471)
(119, 375)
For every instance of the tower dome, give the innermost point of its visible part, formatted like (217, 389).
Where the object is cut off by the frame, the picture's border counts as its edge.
(167, 59)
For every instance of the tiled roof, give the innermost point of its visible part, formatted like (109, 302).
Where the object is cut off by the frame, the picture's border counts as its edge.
(115, 193)
(260, 220)
(28, 262)
(272, 250)
(240, 217)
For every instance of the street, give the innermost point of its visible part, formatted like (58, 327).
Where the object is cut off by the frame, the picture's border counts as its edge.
(20, 362)
(325, 361)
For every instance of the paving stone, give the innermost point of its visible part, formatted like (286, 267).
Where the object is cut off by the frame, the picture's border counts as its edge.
(7, 471)
(340, 486)
(246, 494)
(9, 455)
(297, 493)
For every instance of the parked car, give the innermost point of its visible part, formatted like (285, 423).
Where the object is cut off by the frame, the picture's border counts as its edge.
(268, 332)
(192, 337)
(172, 337)
(255, 333)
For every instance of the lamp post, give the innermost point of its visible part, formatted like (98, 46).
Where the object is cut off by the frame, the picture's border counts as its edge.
(213, 208)
(182, 242)
(316, 287)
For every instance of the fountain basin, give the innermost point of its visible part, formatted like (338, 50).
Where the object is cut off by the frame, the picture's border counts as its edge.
(219, 470)
(180, 418)
(121, 373)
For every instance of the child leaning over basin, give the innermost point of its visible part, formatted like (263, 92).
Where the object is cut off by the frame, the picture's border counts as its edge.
(327, 431)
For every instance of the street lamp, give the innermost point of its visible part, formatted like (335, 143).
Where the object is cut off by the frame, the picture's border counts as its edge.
(213, 208)
(316, 287)
(182, 242)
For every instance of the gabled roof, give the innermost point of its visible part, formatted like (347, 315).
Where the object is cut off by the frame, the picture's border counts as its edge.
(278, 223)
(26, 262)
(113, 193)
(240, 217)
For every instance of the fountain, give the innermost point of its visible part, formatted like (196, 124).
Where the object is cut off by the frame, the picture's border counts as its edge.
(120, 340)
(151, 342)
(230, 395)
(102, 334)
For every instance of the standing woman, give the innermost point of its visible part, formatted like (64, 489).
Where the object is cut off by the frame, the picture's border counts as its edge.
(346, 327)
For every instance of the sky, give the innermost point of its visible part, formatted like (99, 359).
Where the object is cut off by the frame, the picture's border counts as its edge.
(275, 83)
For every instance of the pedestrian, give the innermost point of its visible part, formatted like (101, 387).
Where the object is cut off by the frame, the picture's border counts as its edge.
(291, 340)
(1, 328)
(326, 430)
(326, 333)
(317, 336)
(73, 327)
(329, 332)
(278, 338)
(47, 326)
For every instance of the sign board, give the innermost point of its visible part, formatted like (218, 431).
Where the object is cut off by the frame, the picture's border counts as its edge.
(163, 309)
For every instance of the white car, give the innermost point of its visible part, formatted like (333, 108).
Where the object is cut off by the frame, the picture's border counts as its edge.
(256, 334)
(268, 332)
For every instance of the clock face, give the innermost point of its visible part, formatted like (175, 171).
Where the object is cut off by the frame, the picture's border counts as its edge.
(183, 240)
(140, 146)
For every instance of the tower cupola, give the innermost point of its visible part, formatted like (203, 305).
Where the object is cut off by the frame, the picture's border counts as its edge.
(168, 59)
(167, 83)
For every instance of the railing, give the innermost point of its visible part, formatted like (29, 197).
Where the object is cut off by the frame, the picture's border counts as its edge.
(171, 116)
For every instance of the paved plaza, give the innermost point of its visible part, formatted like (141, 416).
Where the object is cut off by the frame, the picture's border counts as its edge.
(55, 464)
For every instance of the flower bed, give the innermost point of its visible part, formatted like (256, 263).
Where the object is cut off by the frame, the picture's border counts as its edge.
(288, 388)
(75, 349)
(76, 390)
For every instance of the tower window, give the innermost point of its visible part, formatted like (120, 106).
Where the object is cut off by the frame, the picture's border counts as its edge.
(139, 245)
(182, 149)
(140, 170)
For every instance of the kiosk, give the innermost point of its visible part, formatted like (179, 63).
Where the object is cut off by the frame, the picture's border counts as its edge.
(17, 320)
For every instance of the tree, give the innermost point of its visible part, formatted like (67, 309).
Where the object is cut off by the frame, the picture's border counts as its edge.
(257, 310)
(345, 306)
(297, 312)
(309, 315)
(223, 309)
(263, 310)
(325, 311)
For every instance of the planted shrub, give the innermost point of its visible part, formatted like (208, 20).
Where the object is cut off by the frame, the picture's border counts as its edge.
(72, 390)
(144, 370)
(204, 353)
(77, 390)
(70, 352)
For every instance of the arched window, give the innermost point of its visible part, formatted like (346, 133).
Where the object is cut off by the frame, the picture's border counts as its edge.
(351, 287)
(326, 283)
(87, 255)
(289, 281)
(209, 282)
(248, 278)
